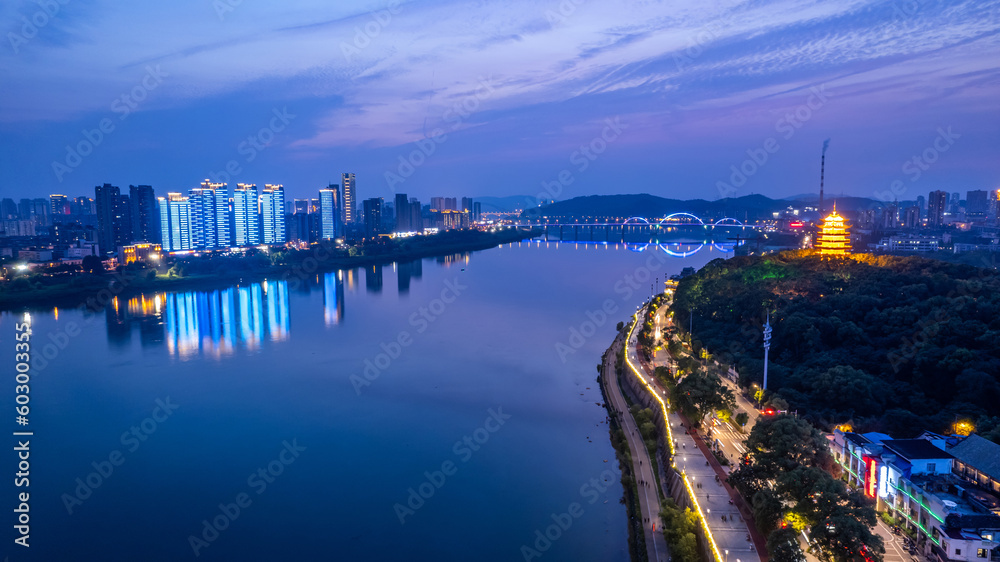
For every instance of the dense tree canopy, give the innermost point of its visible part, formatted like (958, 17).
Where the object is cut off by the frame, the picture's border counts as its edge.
(889, 343)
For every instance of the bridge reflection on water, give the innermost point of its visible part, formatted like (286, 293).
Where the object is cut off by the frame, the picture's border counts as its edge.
(640, 230)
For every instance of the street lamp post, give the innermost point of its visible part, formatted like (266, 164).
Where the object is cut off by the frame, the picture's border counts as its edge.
(727, 555)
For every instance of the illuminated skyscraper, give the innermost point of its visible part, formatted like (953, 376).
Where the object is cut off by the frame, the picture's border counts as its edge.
(223, 214)
(350, 210)
(329, 212)
(204, 231)
(175, 222)
(834, 237)
(246, 227)
(272, 214)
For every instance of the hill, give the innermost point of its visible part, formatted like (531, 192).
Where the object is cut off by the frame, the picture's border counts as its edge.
(896, 344)
(747, 207)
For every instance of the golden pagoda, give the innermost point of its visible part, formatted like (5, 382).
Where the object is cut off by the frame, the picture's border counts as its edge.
(834, 238)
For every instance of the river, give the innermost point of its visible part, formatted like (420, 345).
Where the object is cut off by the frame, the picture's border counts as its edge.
(443, 409)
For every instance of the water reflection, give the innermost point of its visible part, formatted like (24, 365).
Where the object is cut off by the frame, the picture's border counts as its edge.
(373, 278)
(406, 271)
(217, 323)
(333, 297)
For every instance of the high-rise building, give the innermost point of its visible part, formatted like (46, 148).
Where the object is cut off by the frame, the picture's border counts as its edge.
(437, 203)
(977, 205)
(994, 213)
(300, 206)
(329, 212)
(373, 217)
(922, 204)
(402, 205)
(450, 203)
(144, 211)
(58, 205)
(350, 210)
(466, 204)
(113, 227)
(416, 215)
(477, 212)
(936, 204)
(204, 229)
(246, 223)
(956, 202)
(911, 217)
(83, 206)
(223, 214)
(8, 209)
(35, 210)
(272, 214)
(175, 222)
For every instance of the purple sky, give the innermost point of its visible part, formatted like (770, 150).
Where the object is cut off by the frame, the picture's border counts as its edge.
(499, 98)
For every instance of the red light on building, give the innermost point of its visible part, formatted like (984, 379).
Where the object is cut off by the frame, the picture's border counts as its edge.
(796, 224)
(871, 477)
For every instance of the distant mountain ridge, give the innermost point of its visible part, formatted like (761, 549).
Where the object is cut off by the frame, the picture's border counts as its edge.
(747, 207)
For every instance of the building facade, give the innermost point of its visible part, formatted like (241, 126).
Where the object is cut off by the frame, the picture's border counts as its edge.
(175, 222)
(272, 214)
(246, 227)
(349, 214)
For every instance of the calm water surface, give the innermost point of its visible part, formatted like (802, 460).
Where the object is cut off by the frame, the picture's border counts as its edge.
(307, 382)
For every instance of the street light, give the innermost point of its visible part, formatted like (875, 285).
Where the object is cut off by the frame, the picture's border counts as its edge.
(727, 555)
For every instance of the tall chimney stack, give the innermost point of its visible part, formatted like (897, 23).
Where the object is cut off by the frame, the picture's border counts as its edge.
(822, 166)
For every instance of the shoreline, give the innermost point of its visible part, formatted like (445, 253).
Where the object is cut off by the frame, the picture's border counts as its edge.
(86, 291)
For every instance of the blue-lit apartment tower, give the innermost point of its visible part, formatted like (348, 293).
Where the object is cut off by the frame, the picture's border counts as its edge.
(223, 222)
(272, 214)
(245, 215)
(329, 212)
(203, 217)
(175, 222)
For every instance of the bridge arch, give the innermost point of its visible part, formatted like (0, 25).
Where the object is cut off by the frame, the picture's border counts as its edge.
(637, 219)
(676, 216)
(731, 219)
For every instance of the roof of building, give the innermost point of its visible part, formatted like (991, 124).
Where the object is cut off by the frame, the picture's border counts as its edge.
(914, 449)
(856, 438)
(979, 453)
(875, 437)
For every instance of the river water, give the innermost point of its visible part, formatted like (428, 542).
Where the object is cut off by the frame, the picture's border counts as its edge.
(443, 409)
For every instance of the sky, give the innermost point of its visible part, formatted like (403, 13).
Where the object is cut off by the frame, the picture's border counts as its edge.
(550, 99)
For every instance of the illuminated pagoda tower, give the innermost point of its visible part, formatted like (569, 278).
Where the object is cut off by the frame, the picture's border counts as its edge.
(834, 237)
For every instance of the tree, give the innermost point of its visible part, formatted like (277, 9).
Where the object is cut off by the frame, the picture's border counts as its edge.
(783, 546)
(742, 418)
(767, 510)
(93, 264)
(843, 536)
(783, 443)
(620, 326)
(699, 393)
(679, 528)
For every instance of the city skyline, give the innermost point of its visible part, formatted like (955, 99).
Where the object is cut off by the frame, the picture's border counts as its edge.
(398, 92)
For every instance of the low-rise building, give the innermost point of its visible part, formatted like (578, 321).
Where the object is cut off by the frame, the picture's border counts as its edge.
(909, 244)
(920, 484)
(140, 252)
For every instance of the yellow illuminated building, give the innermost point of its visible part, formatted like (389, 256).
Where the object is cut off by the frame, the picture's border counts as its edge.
(140, 252)
(834, 237)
